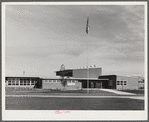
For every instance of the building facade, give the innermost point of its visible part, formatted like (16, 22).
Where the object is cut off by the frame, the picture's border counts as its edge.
(77, 79)
(97, 80)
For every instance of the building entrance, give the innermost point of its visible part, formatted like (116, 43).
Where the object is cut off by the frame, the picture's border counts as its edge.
(95, 84)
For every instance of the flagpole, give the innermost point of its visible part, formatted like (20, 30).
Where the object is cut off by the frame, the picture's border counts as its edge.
(87, 67)
(87, 29)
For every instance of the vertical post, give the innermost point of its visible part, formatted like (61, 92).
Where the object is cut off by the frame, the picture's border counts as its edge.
(87, 30)
(87, 69)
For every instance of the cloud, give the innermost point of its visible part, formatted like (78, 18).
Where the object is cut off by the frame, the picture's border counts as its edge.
(53, 35)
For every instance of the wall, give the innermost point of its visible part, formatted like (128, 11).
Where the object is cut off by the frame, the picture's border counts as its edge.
(58, 85)
(82, 73)
(131, 83)
(51, 85)
(77, 86)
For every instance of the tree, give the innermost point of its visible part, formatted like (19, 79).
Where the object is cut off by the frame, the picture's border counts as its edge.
(64, 82)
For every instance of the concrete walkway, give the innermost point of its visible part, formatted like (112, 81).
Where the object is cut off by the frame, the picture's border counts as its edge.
(56, 96)
(117, 92)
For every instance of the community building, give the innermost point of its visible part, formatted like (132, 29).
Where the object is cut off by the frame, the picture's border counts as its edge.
(97, 80)
(74, 79)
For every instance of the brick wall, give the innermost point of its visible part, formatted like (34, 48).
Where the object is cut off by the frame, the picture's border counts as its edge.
(58, 85)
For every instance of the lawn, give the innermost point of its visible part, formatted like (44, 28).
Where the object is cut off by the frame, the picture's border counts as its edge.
(141, 92)
(51, 103)
(37, 103)
(59, 92)
(68, 92)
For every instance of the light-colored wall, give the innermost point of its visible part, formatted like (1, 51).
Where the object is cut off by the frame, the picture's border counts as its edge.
(82, 73)
(51, 85)
(58, 85)
(132, 83)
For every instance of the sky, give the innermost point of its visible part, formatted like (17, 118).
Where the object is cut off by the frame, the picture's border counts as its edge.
(40, 38)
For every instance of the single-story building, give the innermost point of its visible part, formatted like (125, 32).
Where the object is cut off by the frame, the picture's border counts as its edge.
(77, 79)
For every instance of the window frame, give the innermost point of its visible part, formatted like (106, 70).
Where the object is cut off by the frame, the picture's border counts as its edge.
(118, 82)
(122, 83)
(125, 83)
(9, 82)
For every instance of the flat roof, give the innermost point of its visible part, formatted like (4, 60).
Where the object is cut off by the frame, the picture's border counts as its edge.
(74, 79)
(20, 77)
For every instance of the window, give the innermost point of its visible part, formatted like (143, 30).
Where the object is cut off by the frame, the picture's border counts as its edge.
(32, 82)
(28, 81)
(17, 82)
(21, 82)
(121, 82)
(118, 82)
(73, 81)
(13, 81)
(54, 80)
(125, 83)
(9, 82)
(58, 81)
(24, 81)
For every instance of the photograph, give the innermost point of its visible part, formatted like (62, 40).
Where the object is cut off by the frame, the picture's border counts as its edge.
(74, 61)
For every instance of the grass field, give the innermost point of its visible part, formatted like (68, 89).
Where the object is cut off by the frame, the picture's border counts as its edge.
(140, 92)
(28, 103)
(67, 92)
(61, 103)
(58, 92)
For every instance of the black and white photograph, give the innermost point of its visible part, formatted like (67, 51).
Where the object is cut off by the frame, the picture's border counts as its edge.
(74, 61)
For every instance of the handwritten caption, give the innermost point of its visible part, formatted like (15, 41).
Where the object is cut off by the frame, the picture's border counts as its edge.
(61, 112)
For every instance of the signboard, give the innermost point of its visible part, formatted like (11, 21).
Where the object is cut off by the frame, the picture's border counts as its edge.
(70, 84)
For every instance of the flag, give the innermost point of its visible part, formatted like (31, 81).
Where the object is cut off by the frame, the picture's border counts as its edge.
(87, 25)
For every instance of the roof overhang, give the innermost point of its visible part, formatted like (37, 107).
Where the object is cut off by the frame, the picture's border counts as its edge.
(68, 73)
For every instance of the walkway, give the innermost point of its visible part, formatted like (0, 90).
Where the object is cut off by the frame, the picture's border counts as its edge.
(57, 96)
(117, 92)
